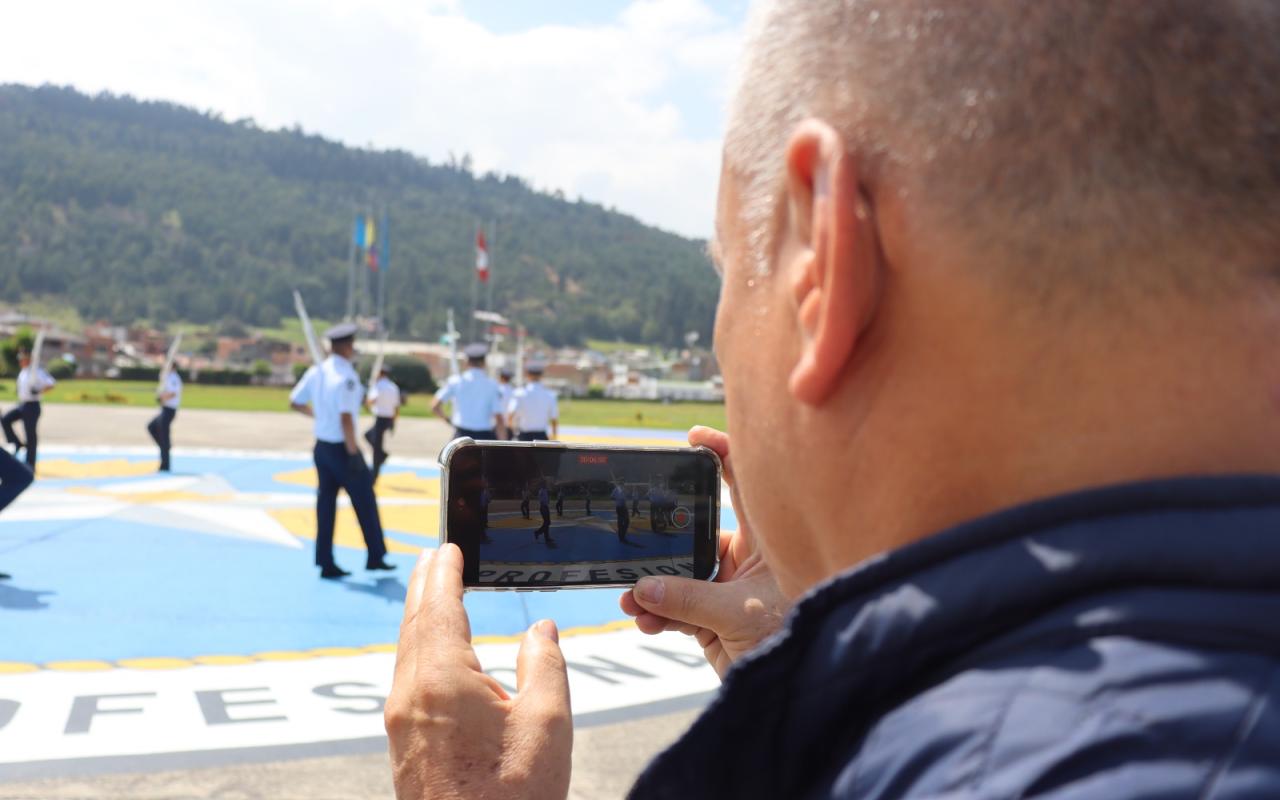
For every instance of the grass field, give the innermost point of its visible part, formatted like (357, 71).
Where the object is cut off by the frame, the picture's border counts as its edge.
(596, 413)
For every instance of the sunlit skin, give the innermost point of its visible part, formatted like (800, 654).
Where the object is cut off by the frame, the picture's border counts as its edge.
(938, 396)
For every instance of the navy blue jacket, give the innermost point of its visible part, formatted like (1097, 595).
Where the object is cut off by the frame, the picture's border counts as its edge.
(1116, 643)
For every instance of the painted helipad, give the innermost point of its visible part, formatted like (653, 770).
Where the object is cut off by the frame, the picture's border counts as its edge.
(170, 620)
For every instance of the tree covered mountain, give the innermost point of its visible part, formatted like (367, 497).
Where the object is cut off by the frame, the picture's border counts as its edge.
(131, 210)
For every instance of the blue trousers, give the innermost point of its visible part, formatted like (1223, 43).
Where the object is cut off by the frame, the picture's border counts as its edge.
(29, 414)
(375, 437)
(159, 428)
(336, 470)
(14, 478)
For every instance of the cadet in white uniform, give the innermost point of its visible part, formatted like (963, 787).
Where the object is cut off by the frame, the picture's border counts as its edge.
(476, 399)
(32, 381)
(331, 394)
(506, 391)
(533, 409)
(160, 426)
(384, 401)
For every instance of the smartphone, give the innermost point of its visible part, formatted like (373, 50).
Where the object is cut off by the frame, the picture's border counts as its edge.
(549, 515)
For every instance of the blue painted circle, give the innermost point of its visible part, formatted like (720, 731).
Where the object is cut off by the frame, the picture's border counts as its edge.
(110, 588)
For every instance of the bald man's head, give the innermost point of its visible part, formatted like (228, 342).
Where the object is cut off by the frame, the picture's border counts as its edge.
(1084, 139)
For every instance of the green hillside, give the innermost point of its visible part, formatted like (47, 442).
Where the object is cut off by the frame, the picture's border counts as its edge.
(129, 210)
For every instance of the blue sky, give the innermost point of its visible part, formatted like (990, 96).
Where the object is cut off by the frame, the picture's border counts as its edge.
(619, 101)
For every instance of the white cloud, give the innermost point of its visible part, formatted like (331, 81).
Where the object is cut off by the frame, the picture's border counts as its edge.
(613, 112)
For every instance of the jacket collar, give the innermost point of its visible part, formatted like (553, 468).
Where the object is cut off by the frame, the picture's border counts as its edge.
(879, 633)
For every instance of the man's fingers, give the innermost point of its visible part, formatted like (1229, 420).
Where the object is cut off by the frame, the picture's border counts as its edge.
(407, 646)
(441, 619)
(706, 605)
(542, 680)
(712, 439)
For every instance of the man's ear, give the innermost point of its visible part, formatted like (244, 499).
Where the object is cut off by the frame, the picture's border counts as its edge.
(835, 259)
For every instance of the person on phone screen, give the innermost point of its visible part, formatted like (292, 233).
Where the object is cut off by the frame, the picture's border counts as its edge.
(331, 394)
(998, 331)
(544, 510)
(620, 510)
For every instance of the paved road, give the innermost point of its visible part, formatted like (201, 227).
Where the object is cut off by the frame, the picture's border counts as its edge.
(126, 426)
(606, 758)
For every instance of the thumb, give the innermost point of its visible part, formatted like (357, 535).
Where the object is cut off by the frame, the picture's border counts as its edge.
(700, 603)
(542, 680)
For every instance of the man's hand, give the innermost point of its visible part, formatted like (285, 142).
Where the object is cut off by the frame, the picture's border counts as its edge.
(730, 616)
(454, 732)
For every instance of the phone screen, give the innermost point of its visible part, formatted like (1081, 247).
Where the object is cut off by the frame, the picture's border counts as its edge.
(550, 515)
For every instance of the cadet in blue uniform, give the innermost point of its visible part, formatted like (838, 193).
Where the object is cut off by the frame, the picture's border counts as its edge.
(635, 502)
(657, 505)
(620, 508)
(477, 401)
(15, 477)
(32, 381)
(331, 393)
(544, 508)
(559, 501)
(533, 409)
(524, 502)
(161, 425)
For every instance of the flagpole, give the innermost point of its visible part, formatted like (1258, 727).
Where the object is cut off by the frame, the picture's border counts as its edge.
(366, 291)
(351, 268)
(493, 237)
(475, 286)
(382, 270)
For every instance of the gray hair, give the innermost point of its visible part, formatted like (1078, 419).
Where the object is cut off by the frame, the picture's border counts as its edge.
(1072, 134)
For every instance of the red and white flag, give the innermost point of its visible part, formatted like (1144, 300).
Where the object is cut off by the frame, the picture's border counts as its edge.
(482, 257)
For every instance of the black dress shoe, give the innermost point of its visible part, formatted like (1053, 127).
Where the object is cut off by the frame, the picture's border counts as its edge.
(379, 564)
(4, 576)
(333, 572)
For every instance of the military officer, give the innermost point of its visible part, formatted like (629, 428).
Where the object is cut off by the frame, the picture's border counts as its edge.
(533, 409)
(160, 427)
(32, 382)
(476, 399)
(384, 401)
(331, 394)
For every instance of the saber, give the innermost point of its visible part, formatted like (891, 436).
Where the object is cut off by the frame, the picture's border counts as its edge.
(313, 346)
(377, 361)
(35, 351)
(168, 364)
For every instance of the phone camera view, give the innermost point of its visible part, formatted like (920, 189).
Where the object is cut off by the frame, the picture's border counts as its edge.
(545, 516)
